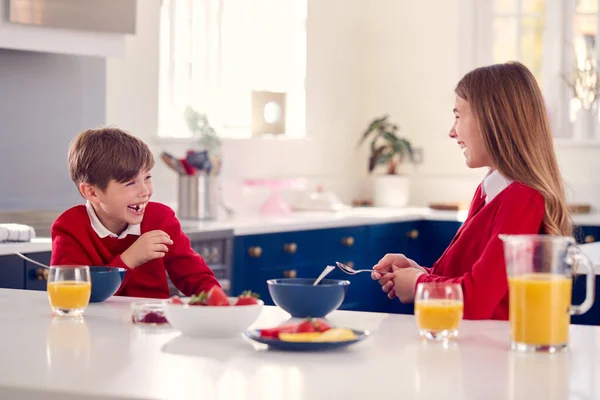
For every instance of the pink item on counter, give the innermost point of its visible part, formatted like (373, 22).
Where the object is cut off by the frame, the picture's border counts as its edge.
(275, 204)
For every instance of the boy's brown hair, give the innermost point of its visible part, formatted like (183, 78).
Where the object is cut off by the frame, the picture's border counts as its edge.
(97, 156)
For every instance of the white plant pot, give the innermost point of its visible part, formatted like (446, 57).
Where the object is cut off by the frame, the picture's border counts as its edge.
(391, 190)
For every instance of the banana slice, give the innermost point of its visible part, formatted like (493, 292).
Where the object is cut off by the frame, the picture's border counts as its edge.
(299, 337)
(336, 335)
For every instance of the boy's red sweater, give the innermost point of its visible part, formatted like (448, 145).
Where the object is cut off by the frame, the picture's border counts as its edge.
(74, 242)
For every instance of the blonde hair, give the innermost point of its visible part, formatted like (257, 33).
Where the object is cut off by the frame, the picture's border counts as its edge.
(511, 115)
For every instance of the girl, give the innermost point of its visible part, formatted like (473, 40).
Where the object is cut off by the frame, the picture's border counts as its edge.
(500, 123)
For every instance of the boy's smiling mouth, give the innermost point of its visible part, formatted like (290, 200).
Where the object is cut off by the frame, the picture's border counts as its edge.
(137, 209)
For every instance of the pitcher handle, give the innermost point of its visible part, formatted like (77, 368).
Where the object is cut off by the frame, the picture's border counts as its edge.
(581, 260)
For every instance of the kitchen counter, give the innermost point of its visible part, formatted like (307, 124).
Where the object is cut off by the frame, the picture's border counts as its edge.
(297, 221)
(104, 356)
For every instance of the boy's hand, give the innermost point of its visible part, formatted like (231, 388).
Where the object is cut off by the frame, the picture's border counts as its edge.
(147, 247)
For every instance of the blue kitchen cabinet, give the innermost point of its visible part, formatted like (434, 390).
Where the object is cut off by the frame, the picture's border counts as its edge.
(301, 254)
(36, 277)
(422, 241)
(592, 317)
(397, 237)
(12, 272)
(586, 233)
(437, 236)
(15, 273)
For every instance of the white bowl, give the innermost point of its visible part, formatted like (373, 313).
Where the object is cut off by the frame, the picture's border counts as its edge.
(212, 321)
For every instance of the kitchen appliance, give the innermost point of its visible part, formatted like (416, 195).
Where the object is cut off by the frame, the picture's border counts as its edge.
(216, 248)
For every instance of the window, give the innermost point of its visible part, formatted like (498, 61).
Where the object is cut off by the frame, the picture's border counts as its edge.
(518, 30)
(215, 53)
(556, 39)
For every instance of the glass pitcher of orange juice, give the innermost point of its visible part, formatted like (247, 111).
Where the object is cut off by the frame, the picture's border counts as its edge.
(540, 270)
(69, 289)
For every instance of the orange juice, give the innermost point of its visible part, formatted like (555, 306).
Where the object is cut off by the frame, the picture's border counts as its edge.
(539, 309)
(69, 294)
(438, 315)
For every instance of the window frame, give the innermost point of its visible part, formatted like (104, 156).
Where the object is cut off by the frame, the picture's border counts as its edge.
(166, 85)
(476, 43)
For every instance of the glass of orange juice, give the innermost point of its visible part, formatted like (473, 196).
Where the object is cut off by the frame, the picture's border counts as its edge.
(69, 289)
(438, 309)
(540, 271)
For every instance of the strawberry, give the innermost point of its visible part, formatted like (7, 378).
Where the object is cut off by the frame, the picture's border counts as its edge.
(216, 297)
(247, 298)
(274, 332)
(313, 325)
(175, 300)
(198, 300)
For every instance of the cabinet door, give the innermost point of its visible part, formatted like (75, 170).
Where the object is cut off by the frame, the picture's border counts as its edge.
(592, 316)
(36, 276)
(12, 272)
(401, 237)
(435, 238)
(586, 233)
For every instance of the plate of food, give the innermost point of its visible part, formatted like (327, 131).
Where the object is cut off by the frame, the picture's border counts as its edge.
(306, 335)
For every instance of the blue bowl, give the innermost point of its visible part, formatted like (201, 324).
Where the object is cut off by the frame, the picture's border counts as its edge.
(105, 282)
(301, 299)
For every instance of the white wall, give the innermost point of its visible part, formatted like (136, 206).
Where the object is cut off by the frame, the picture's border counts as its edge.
(335, 112)
(414, 62)
(400, 57)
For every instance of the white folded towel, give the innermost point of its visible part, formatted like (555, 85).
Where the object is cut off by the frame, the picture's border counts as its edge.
(16, 233)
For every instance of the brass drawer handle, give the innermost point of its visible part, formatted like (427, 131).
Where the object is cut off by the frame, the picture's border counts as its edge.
(289, 273)
(412, 234)
(348, 241)
(41, 274)
(290, 248)
(255, 252)
(590, 239)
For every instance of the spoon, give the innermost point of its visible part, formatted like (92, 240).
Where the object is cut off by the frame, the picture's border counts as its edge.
(325, 272)
(30, 260)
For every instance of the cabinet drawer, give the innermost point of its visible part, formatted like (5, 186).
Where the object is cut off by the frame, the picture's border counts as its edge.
(12, 272)
(293, 248)
(36, 276)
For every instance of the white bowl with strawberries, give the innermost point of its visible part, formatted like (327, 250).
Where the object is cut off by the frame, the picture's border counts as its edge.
(213, 314)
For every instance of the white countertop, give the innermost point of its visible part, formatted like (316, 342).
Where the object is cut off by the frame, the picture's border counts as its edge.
(297, 221)
(36, 245)
(250, 225)
(107, 357)
(305, 220)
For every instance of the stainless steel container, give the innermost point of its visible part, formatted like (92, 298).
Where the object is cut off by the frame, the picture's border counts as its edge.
(198, 197)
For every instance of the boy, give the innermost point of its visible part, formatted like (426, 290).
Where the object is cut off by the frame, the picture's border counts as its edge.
(119, 226)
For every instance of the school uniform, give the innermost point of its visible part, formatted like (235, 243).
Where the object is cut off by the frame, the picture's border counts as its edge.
(475, 257)
(79, 238)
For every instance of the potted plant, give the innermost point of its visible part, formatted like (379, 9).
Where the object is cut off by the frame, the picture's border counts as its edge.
(388, 150)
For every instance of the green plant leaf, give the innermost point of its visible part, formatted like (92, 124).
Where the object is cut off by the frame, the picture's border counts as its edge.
(375, 125)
